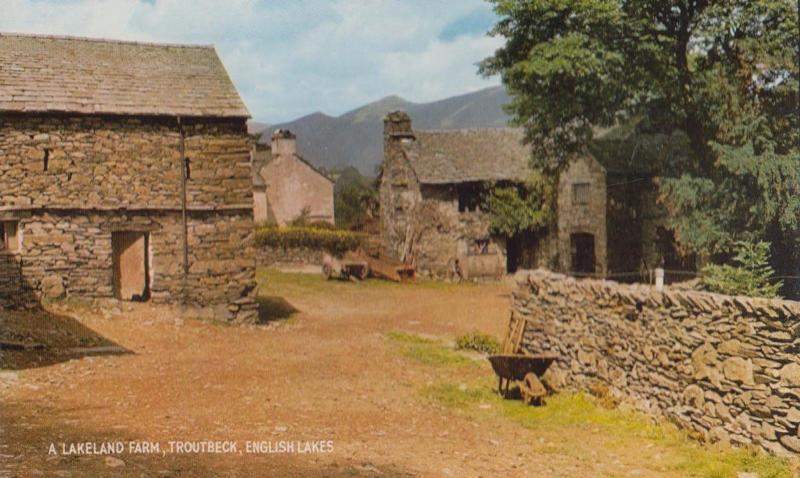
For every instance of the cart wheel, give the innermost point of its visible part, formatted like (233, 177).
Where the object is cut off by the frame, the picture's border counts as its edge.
(327, 271)
(532, 389)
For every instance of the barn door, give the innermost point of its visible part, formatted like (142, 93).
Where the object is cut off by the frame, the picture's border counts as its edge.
(131, 272)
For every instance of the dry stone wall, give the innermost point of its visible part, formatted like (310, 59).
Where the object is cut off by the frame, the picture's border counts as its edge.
(726, 367)
(289, 256)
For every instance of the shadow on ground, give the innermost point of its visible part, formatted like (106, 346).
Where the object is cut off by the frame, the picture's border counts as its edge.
(274, 308)
(37, 338)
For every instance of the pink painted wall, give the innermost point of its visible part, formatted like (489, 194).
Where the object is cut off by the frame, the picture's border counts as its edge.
(293, 185)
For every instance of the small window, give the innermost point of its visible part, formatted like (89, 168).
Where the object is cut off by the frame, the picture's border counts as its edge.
(46, 160)
(188, 168)
(580, 193)
(9, 234)
(471, 197)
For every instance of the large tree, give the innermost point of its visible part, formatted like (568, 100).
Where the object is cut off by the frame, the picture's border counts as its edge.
(723, 74)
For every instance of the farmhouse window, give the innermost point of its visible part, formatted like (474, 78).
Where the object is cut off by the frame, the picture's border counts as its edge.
(470, 196)
(580, 193)
(9, 236)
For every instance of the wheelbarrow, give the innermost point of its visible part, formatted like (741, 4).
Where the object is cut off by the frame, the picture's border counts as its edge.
(524, 369)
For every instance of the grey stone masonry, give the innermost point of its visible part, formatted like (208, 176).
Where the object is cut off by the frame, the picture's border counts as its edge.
(724, 366)
(68, 182)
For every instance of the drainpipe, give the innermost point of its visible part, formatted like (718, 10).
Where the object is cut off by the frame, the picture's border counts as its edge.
(182, 148)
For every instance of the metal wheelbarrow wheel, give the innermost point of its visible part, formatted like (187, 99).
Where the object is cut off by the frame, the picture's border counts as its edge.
(327, 271)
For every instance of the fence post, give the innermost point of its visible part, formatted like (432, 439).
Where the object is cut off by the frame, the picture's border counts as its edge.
(659, 279)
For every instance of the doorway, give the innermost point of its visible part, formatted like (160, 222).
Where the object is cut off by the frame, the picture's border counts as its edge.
(513, 253)
(583, 258)
(131, 265)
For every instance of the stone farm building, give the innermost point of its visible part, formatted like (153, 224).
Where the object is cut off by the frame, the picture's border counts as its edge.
(432, 187)
(286, 186)
(124, 172)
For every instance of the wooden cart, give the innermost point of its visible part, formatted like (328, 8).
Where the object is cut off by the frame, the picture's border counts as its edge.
(349, 266)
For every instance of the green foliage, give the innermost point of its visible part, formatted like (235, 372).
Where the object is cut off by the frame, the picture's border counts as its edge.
(516, 209)
(721, 73)
(483, 343)
(302, 219)
(355, 201)
(749, 276)
(427, 351)
(334, 241)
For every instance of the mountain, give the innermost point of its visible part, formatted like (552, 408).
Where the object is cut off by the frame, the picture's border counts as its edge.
(356, 137)
(254, 127)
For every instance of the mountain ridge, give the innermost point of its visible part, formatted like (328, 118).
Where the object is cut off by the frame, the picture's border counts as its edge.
(355, 138)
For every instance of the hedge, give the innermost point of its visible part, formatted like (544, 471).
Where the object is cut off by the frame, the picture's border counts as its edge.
(332, 240)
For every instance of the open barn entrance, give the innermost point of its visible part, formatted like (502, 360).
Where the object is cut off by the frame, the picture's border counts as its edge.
(131, 265)
(583, 258)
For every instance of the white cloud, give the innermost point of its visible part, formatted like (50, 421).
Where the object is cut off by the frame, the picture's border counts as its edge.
(292, 58)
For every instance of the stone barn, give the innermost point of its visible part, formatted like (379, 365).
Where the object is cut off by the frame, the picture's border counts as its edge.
(286, 186)
(124, 172)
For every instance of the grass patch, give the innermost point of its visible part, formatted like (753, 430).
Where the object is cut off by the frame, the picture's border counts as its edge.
(573, 414)
(483, 343)
(276, 282)
(427, 351)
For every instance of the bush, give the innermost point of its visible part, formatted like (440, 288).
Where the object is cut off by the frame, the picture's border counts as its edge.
(336, 242)
(750, 275)
(483, 343)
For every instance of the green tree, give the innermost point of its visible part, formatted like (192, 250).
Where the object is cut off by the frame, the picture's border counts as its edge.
(722, 73)
(355, 200)
(518, 208)
(750, 274)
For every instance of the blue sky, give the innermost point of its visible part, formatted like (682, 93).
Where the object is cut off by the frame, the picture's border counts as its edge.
(291, 58)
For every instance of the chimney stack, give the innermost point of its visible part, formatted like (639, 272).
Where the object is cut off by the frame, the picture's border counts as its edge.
(397, 123)
(283, 142)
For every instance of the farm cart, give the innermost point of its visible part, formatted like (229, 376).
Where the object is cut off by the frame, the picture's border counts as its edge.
(526, 371)
(350, 266)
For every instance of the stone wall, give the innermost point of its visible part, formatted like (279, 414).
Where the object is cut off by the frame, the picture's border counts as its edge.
(290, 256)
(96, 162)
(586, 218)
(726, 367)
(71, 181)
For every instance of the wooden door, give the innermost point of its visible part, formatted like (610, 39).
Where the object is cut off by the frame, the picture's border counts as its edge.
(130, 265)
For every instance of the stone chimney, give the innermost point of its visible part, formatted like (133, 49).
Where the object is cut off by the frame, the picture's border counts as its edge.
(396, 131)
(283, 143)
(397, 123)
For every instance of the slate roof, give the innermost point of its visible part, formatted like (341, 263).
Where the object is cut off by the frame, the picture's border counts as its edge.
(458, 156)
(92, 76)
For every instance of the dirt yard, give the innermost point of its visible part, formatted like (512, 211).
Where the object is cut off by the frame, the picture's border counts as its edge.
(367, 369)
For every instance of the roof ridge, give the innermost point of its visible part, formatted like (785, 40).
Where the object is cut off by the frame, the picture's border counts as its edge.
(313, 168)
(104, 40)
(468, 130)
